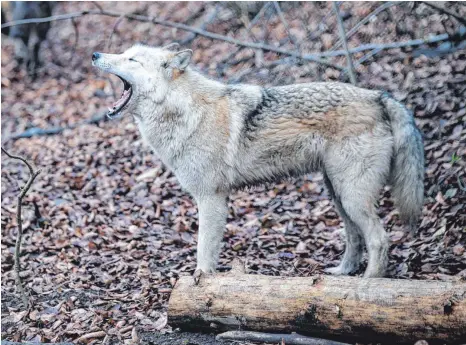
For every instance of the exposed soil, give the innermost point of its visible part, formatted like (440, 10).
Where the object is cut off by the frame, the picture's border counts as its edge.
(185, 338)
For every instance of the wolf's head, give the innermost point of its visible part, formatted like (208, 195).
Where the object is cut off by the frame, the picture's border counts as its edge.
(143, 70)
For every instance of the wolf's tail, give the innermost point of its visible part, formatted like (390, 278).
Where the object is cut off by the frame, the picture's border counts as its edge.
(407, 167)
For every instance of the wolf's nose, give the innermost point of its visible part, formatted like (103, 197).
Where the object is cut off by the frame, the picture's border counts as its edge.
(95, 56)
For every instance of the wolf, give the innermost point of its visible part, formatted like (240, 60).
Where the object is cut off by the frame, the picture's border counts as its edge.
(29, 37)
(217, 138)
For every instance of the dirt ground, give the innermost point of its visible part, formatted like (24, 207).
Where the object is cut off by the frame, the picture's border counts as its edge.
(108, 229)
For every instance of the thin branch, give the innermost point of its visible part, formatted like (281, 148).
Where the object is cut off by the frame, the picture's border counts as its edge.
(285, 24)
(31, 169)
(319, 28)
(49, 19)
(384, 46)
(363, 21)
(36, 131)
(256, 19)
(210, 18)
(24, 190)
(109, 41)
(310, 57)
(376, 48)
(240, 60)
(368, 56)
(248, 30)
(180, 26)
(96, 4)
(76, 37)
(442, 9)
(193, 16)
(315, 57)
(341, 30)
(288, 339)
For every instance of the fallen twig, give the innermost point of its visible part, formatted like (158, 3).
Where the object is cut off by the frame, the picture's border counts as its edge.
(315, 57)
(442, 9)
(248, 30)
(96, 4)
(288, 339)
(368, 56)
(256, 18)
(36, 131)
(76, 37)
(24, 190)
(193, 16)
(384, 46)
(180, 26)
(376, 48)
(210, 18)
(362, 22)
(109, 41)
(341, 30)
(285, 24)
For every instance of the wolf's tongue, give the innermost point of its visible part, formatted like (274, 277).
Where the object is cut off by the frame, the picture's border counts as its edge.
(120, 102)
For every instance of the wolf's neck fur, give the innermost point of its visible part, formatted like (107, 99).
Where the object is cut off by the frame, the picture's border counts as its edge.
(196, 81)
(195, 105)
(169, 127)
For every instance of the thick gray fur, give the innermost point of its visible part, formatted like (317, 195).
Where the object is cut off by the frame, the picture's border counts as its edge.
(217, 138)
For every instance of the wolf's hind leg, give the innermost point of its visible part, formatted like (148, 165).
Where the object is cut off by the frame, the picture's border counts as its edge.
(376, 238)
(358, 171)
(21, 50)
(354, 240)
(358, 193)
(213, 212)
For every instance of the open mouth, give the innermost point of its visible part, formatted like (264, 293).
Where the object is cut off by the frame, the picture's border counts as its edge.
(125, 97)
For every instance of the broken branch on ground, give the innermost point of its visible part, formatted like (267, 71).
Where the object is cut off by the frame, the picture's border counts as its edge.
(17, 268)
(341, 30)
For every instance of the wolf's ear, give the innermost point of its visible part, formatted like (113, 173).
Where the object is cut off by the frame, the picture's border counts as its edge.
(172, 46)
(181, 59)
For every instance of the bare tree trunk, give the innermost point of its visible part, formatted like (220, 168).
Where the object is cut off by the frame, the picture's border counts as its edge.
(378, 310)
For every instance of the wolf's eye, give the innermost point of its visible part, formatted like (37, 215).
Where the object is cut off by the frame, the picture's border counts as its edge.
(134, 60)
(165, 65)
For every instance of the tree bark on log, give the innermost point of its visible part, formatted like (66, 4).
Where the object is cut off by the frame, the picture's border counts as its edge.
(344, 308)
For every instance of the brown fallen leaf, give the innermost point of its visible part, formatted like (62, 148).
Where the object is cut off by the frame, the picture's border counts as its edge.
(98, 334)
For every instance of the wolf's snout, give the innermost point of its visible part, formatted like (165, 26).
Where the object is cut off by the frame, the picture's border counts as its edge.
(95, 56)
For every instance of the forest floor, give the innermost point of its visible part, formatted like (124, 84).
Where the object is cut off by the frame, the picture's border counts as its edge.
(113, 230)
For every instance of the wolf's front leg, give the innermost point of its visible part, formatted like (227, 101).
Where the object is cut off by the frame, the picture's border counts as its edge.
(213, 212)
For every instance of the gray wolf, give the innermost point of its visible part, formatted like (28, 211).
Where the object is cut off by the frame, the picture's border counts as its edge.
(217, 138)
(29, 37)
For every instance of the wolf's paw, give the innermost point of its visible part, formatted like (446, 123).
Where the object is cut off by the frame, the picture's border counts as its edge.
(339, 270)
(197, 275)
(379, 272)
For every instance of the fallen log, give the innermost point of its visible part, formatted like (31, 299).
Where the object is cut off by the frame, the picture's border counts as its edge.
(341, 308)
